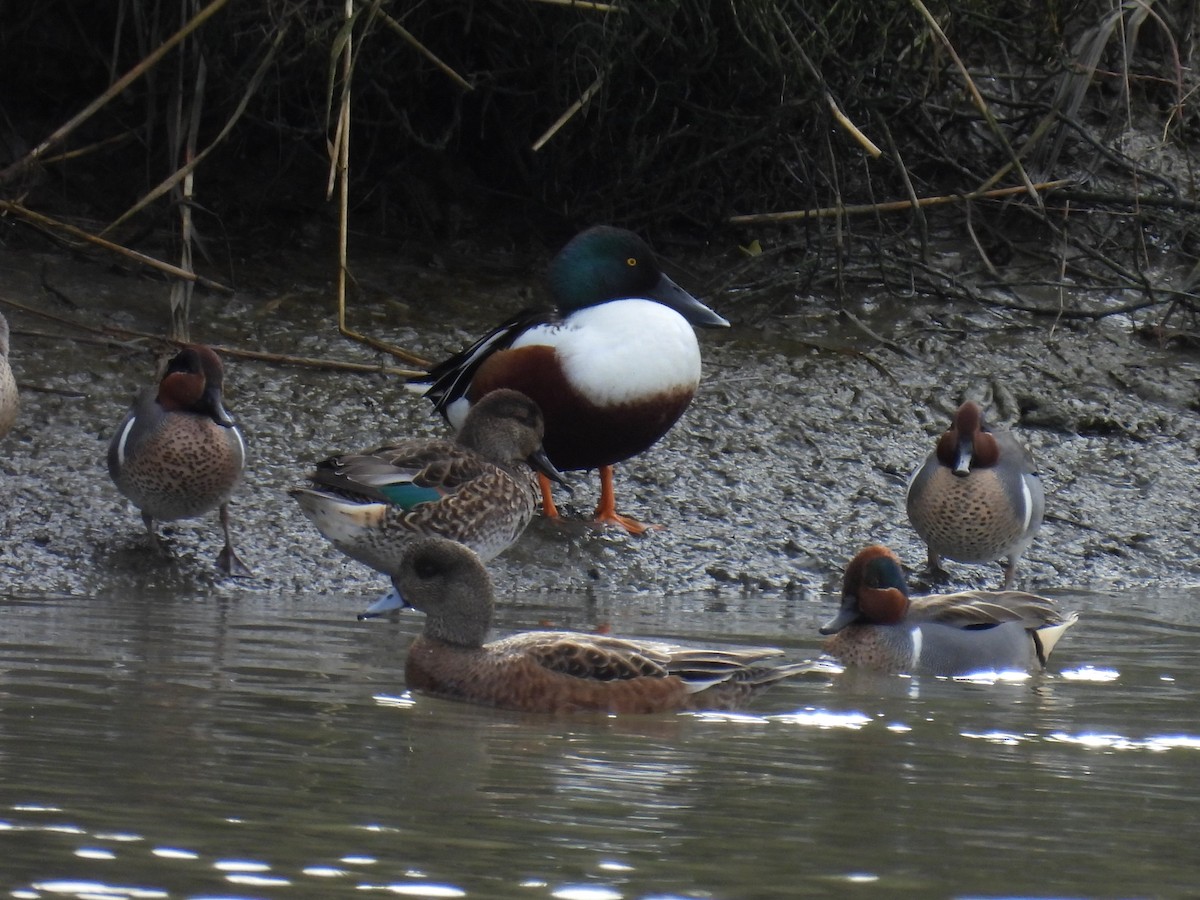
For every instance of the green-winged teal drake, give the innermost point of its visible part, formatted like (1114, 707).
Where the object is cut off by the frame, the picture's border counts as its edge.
(977, 497)
(178, 454)
(880, 627)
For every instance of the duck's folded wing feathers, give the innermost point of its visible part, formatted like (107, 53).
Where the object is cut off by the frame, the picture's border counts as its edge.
(403, 477)
(967, 609)
(594, 657)
(449, 380)
(601, 658)
(363, 478)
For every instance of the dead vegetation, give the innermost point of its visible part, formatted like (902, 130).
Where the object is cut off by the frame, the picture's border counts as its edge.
(840, 143)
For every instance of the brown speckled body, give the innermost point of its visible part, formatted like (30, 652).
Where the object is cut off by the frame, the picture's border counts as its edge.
(564, 672)
(177, 454)
(551, 671)
(181, 466)
(880, 648)
(486, 506)
(478, 489)
(487, 513)
(977, 497)
(502, 677)
(971, 519)
(10, 402)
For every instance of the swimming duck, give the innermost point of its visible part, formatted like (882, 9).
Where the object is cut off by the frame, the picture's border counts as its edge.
(978, 496)
(10, 402)
(880, 627)
(178, 454)
(477, 489)
(553, 671)
(612, 367)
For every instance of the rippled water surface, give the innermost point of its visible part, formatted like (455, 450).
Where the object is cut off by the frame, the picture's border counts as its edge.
(249, 746)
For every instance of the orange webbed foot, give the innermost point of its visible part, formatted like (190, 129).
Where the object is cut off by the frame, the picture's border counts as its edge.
(606, 512)
(614, 518)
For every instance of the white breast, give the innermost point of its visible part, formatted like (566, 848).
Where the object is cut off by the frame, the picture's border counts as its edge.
(623, 351)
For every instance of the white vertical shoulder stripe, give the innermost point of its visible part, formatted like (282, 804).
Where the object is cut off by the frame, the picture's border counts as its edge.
(123, 439)
(1026, 502)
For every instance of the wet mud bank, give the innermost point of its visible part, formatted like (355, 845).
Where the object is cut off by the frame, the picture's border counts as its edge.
(794, 454)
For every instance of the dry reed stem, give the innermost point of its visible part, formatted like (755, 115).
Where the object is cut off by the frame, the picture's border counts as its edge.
(194, 158)
(892, 205)
(89, 149)
(339, 175)
(866, 143)
(184, 130)
(411, 40)
(981, 105)
(569, 112)
(141, 258)
(586, 4)
(581, 102)
(340, 166)
(114, 90)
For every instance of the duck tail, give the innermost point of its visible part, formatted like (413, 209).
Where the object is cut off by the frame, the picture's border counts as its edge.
(1046, 639)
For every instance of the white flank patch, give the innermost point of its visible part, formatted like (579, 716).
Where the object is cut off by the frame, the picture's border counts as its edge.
(623, 351)
(456, 413)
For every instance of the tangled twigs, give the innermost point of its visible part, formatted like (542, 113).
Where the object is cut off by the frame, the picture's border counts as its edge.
(36, 218)
(127, 334)
(408, 38)
(114, 90)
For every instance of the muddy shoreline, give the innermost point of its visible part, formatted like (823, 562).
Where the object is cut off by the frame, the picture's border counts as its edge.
(794, 454)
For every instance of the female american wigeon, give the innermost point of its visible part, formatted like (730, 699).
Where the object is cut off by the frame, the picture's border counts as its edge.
(612, 367)
(977, 497)
(880, 627)
(477, 489)
(10, 402)
(553, 671)
(178, 454)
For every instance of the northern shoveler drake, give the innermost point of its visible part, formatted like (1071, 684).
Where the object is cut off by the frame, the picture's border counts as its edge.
(612, 367)
(554, 671)
(10, 402)
(477, 489)
(977, 497)
(178, 454)
(880, 627)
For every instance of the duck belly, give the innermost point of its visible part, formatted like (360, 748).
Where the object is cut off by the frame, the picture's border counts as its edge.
(184, 468)
(972, 519)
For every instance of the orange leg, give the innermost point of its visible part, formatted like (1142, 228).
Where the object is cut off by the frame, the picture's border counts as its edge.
(549, 510)
(606, 512)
